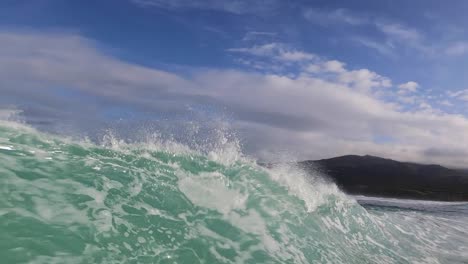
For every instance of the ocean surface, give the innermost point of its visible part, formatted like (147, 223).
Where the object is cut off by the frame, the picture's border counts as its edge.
(158, 201)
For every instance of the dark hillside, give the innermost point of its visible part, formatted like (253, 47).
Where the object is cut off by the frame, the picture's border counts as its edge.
(369, 175)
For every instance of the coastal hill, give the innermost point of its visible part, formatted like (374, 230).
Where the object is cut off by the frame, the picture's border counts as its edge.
(374, 176)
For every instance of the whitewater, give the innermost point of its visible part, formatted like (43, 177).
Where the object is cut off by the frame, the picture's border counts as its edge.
(159, 201)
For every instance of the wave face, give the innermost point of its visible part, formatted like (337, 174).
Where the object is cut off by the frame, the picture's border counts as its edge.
(63, 201)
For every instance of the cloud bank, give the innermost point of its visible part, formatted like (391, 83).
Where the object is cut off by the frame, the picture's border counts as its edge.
(312, 108)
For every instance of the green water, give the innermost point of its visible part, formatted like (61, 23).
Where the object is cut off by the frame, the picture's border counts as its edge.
(64, 201)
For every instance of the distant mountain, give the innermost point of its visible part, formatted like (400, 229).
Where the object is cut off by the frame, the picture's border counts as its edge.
(374, 176)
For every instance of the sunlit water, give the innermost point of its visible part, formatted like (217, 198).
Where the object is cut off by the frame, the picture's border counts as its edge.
(64, 201)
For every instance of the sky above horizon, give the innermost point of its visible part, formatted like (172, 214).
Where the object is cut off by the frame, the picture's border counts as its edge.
(301, 79)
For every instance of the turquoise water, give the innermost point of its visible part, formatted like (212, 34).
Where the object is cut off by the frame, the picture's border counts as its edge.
(65, 201)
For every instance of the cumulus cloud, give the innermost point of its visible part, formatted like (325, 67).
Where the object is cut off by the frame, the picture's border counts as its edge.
(408, 87)
(331, 66)
(309, 115)
(460, 95)
(364, 79)
(334, 66)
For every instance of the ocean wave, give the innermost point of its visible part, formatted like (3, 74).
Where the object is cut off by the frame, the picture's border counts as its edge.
(160, 201)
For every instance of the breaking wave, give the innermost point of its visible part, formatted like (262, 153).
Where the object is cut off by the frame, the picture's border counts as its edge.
(65, 201)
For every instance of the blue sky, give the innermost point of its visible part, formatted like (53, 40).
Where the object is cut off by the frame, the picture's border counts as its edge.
(320, 78)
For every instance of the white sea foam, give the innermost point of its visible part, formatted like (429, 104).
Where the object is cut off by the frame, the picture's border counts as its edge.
(211, 190)
(312, 189)
(6, 147)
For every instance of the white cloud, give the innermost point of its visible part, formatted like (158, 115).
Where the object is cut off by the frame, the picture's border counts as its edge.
(386, 49)
(395, 33)
(405, 37)
(410, 87)
(312, 116)
(295, 56)
(334, 66)
(364, 80)
(259, 50)
(445, 103)
(276, 51)
(71, 62)
(461, 95)
(425, 106)
(330, 66)
(321, 113)
(407, 99)
(313, 68)
(399, 32)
